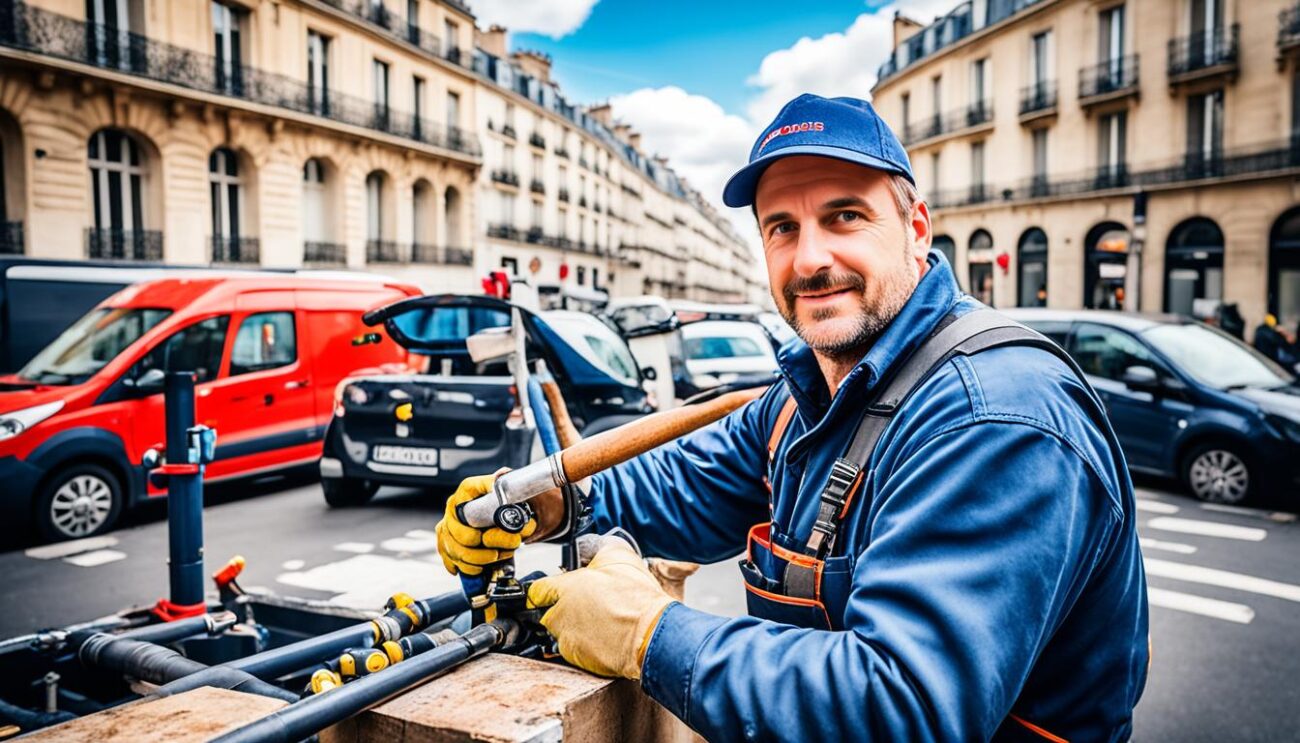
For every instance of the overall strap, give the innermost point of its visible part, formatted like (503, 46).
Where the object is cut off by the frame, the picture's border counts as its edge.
(966, 335)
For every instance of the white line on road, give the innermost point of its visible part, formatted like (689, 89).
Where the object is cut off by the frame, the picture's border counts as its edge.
(1156, 544)
(409, 545)
(95, 559)
(422, 534)
(1146, 494)
(63, 549)
(1208, 529)
(1152, 506)
(292, 564)
(356, 548)
(1226, 610)
(1280, 517)
(1213, 577)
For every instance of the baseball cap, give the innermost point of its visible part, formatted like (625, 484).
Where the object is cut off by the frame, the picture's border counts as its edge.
(846, 129)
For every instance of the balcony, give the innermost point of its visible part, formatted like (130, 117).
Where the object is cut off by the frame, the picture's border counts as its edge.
(438, 255)
(51, 34)
(509, 131)
(383, 251)
(11, 238)
(563, 195)
(324, 253)
(1111, 80)
(582, 161)
(124, 245)
(1037, 101)
(505, 177)
(1203, 56)
(505, 232)
(537, 186)
(974, 118)
(537, 141)
(582, 201)
(561, 152)
(1288, 29)
(390, 23)
(235, 249)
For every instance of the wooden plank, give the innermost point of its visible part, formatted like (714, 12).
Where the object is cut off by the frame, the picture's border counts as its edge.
(504, 699)
(193, 716)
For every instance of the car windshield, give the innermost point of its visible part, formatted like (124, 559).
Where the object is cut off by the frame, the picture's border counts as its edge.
(1215, 358)
(93, 341)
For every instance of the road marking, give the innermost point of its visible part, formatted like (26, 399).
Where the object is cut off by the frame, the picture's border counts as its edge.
(1223, 578)
(1208, 529)
(357, 548)
(63, 549)
(1280, 517)
(95, 559)
(411, 546)
(292, 564)
(1156, 544)
(1225, 610)
(1145, 494)
(422, 534)
(1152, 506)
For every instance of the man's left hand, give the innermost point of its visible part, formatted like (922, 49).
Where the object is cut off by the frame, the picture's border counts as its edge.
(603, 615)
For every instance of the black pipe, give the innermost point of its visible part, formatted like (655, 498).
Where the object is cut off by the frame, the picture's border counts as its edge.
(316, 713)
(184, 495)
(181, 629)
(30, 720)
(159, 665)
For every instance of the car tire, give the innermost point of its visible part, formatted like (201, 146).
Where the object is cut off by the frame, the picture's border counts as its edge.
(343, 492)
(79, 500)
(1216, 472)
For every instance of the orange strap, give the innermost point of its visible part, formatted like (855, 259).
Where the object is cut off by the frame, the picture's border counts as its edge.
(778, 430)
(1031, 726)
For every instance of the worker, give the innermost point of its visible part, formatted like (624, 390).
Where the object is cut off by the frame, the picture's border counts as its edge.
(975, 576)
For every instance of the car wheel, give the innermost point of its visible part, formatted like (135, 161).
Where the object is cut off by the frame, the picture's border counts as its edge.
(1217, 474)
(342, 492)
(81, 500)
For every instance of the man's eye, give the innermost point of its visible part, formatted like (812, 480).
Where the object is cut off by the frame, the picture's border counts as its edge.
(783, 228)
(848, 216)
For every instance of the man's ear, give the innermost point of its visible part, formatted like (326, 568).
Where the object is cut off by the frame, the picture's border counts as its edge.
(920, 234)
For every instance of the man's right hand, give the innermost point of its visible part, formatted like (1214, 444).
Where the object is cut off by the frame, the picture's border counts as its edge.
(465, 549)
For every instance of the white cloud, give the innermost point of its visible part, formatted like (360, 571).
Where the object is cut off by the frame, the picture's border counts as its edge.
(554, 18)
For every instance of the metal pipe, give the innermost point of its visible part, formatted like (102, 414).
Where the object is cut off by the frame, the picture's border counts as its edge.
(542, 414)
(30, 720)
(168, 632)
(316, 713)
(184, 495)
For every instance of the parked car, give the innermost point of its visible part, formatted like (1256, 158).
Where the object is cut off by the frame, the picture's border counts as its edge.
(453, 418)
(1187, 400)
(77, 419)
(719, 352)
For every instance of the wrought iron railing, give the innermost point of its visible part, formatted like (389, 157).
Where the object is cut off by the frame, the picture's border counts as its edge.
(508, 177)
(324, 253)
(563, 195)
(537, 140)
(398, 27)
(1203, 50)
(383, 251)
(51, 34)
(11, 238)
(509, 131)
(561, 152)
(130, 245)
(1111, 76)
(1288, 26)
(459, 256)
(976, 114)
(1040, 96)
(436, 254)
(537, 186)
(235, 249)
(505, 232)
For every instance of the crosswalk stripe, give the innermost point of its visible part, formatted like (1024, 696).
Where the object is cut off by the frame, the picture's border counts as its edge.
(1280, 517)
(1208, 528)
(1153, 506)
(1223, 578)
(95, 559)
(63, 549)
(1225, 610)
(1156, 544)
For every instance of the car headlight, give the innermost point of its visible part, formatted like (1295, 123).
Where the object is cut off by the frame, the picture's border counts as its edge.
(12, 424)
(356, 395)
(1285, 427)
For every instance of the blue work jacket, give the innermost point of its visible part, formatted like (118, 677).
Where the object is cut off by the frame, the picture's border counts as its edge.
(996, 588)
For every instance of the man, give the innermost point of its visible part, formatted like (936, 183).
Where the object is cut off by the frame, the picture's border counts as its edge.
(980, 580)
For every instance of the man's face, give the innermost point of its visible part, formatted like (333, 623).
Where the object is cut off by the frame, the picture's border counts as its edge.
(841, 260)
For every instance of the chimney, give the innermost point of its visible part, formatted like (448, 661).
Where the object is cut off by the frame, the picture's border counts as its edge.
(904, 28)
(621, 131)
(492, 41)
(602, 113)
(634, 139)
(534, 64)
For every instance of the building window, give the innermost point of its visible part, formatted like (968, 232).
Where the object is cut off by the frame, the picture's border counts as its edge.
(1284, 270)
(109, 36)
(1204, 133)
(1194, 268)
(380, 82)
(1039, 50)
(1111, 143)
(1206, 18)
(582, 275)
(979, 82)
(977, 170)
(936, 185)
(453, 112)
(117, 181)
(1031, 269)
(451, 34)
(1105, 266)
(948, 247)
(226, 22)
(318, 73)
(315, 227)
(563, 231)
(907, 110)
(1110, 36)
(1038, 186)
(936, 87)
(537, 215)
(226, 191)
(375, 206)
(979, 258)
(537, 168)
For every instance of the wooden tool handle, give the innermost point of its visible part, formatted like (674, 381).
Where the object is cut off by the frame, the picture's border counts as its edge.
(564, 427)
(617, 445)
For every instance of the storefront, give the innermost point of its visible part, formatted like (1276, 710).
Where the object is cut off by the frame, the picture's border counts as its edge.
(1194, 268)
(1031, 269)
(980, 265)
(1105, 266)
(1284, 270)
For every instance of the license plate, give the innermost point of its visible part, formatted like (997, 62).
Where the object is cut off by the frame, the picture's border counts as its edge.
(405, 455)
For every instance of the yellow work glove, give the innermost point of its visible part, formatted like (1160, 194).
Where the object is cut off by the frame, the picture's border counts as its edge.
(603, 615)
(465, 549)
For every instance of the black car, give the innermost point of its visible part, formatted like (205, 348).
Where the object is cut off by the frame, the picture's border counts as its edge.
(1187, 400)
(456, 418)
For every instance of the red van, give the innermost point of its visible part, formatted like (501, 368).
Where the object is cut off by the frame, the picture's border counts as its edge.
(268, 352)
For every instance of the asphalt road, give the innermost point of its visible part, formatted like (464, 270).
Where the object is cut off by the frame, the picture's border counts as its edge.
(1224, 619)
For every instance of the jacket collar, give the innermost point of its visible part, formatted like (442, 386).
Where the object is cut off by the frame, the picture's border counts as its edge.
(933, 298)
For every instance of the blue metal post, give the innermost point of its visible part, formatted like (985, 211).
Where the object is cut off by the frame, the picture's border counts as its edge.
(184, 495)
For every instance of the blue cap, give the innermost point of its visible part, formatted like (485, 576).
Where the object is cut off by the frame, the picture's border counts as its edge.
(846, 129)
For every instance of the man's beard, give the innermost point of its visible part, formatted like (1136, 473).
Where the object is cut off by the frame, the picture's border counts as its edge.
(877, 311)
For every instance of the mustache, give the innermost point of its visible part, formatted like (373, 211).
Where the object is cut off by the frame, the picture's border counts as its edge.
(821, 282)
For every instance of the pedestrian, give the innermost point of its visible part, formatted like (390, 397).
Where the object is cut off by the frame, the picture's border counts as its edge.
(936, 522)
(1273, 341)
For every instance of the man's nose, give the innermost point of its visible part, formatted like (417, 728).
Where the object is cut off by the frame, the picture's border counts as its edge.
(812, 254)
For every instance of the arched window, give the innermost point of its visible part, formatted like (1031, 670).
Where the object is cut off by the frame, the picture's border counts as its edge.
(1105, 266)
(979, 259)
(1194, 268)
(423, 247)
(1031, 269)
(226, 193)
(315, 225)
(945, 245)
(12, 186)
(380, 246)
(452, 218)
(119, 186)
(1284, 270)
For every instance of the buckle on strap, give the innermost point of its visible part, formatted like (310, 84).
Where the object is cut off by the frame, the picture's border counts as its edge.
(834, 495)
